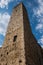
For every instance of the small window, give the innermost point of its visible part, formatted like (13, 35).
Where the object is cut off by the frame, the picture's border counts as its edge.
(0, 63)
(1, 55)
(7, 53)
(6, 64)
(15, 37)
(16, 10)
(20, 61)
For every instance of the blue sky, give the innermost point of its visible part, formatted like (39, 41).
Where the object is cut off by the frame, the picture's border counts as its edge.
(35, 14)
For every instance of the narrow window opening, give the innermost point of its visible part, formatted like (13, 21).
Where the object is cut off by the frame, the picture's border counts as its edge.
(0, 63)
(1, 55)
(7, 53)
(20, 61)
(16, 10)
(6, 64)
(8, 39)
(15, 37)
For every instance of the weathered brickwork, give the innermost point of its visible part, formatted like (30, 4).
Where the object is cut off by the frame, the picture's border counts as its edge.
(20, 46)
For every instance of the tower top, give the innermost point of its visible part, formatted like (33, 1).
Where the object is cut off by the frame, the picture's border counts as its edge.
(21, 3)
(22, 6)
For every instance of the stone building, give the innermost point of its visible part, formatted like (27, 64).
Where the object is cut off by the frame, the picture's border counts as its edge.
(20, 46)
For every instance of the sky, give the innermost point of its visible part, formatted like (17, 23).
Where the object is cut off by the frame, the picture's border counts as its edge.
(35, 15)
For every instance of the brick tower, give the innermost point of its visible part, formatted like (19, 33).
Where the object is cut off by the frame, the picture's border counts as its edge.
(20, 47)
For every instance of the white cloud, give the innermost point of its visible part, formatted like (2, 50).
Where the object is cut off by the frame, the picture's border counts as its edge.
(40, 2)
(39, 26)
(4, 3)
(0, 45)
(41, 40)
(38, 12)
(42, 46)
(4, 19)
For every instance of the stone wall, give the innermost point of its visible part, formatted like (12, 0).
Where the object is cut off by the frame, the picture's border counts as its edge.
(32, 48)
(12, 52)
(20, 46)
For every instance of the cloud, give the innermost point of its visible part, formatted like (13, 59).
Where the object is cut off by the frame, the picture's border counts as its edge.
(39, 26)
(38, 12)
(1, 39)
(1, 42)
(41, 41)
(42, 46)
(4, 3)
(0, 45)
(4, 19)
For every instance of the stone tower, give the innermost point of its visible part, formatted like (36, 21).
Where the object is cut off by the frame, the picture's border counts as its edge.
(20, 46)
